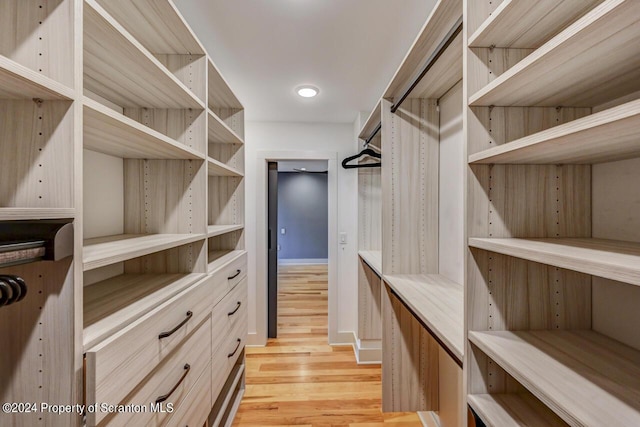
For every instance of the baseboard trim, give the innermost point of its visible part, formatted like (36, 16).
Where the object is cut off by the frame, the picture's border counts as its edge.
(304, 261)
(367, 352)
(254, 341)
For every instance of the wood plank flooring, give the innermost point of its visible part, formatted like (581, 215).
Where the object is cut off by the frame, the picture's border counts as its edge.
(298, 379)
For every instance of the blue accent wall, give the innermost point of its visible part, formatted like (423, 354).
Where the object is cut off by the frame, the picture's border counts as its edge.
(303, 211)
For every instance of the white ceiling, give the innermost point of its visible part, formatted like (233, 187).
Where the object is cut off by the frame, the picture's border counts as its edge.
(265, 48)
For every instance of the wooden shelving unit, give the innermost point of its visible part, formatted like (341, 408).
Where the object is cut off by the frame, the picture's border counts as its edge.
(439, 304)
(217, 168)
(117, 67)
(114, 303)
(218, 259)
(556, 73)
(102, 251)
(521, 409)
(220, 132)
(606, 136)
(220, 94)
(373, 260)
(517, 24)
(218, 230)
(20, 82)
(109, 132)
(615, 260)
(586, 378)
(11, 214)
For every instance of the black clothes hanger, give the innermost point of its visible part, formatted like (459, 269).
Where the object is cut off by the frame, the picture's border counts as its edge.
(366, 151)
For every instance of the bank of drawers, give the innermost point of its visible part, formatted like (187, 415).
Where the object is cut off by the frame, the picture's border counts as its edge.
(136, 364)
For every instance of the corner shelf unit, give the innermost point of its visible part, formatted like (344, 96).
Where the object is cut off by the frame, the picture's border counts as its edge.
(552, 235)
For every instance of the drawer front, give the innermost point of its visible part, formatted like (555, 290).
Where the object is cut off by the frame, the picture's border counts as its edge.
(175, 377)
(115, 366)
(233, 273)
(225, 334)
(237, 340)
(195, 408)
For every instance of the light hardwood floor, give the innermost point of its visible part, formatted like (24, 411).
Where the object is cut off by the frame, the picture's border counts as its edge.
(298, 379)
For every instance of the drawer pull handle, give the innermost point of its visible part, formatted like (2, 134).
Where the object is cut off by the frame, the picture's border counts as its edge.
(230, 355)
(171, 332)
(164, 397)
(231, 313)
(235, 275)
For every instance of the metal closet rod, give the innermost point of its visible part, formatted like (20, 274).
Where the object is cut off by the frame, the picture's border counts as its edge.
(442, 46)
(373, 134)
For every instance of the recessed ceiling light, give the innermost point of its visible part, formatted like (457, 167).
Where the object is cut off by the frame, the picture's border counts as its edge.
(307, 91)
(303, 169)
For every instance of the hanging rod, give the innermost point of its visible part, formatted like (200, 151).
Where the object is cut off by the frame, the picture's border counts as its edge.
(442, 46)
(23, 242)
(373, 134)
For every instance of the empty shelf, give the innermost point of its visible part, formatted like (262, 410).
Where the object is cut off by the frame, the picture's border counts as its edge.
(611, 259)
(158, 25)
(373, 260)
(220, 133)
(118, 68)
(609, 135)
(528, 24)
(19, 82)
(586, 378)
(217, 230)
(521, 409)
(373, 121)
(114, 303)
(220, 94)
(217, 168)
(442, 19)
(218, 259)
(102, 251)
(14, 214)
(112, 133)
(594, 60)
(438, 302)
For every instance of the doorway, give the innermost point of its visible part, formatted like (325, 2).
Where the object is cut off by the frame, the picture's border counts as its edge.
(298, 227)
(260, 336)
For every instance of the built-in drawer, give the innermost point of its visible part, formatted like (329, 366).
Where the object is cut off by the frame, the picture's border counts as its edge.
(232, 317)
(166, 388)
(195, 408)
(117, 365)
(232, 273)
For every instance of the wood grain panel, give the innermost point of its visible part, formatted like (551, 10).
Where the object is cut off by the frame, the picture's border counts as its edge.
(521, 409)
(37, 340)
(187, 126)
(19, 82)
(220, 94)
(164, 196)
(40, 36)
(190, 70)
(369, 209)
(231, 155)
(37, 155)
(226, 200)
(369, 303)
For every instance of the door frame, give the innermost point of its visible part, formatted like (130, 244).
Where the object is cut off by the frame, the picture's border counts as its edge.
(263, 158)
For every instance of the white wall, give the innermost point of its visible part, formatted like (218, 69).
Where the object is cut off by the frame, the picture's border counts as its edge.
(280, 136)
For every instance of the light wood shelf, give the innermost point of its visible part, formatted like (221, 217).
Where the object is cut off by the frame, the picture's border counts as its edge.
(609, 135)
(220, 132)
(372, 121)
(441, 20)
(20, 82)
(220, 94)
(586, 378)
(158, 25)
(443, 75)
(109, 132)
(118, 68)
(217, 230)
(217, 168)
(373, 260)
(611, 259)
(102, 251)
(528, 24)
(218, 259)
(515, 409)
(112, 304)
(438, 302)
(563, 71)
(15, 214)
